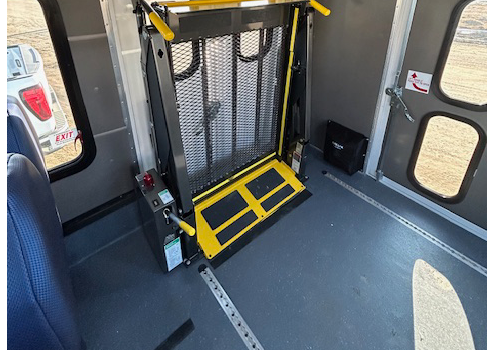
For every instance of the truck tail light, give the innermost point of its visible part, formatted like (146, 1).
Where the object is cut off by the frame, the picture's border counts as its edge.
(35, 99)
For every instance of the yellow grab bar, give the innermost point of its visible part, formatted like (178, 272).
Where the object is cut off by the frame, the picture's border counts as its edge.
(162, 27)
(156, 20)
(320, 8)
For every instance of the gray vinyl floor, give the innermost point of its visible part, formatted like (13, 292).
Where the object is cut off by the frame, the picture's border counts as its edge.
(335, 273)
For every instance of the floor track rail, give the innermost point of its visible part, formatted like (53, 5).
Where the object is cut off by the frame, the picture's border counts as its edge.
(232, 313)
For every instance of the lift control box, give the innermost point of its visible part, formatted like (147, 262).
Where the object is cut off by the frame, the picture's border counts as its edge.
(169, 243)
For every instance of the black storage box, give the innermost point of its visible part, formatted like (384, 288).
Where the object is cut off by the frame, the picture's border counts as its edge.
(344, 147)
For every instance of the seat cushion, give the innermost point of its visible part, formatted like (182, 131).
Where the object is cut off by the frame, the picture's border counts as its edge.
(40, 300)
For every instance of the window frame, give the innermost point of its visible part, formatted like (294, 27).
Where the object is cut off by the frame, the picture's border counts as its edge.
(471, 169)
(443, 58)
(59, 37)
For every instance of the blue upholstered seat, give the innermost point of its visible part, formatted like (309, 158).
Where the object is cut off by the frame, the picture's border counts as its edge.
(40, 300)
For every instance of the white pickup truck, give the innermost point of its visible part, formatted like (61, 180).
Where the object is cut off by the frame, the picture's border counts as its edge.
(27, 82)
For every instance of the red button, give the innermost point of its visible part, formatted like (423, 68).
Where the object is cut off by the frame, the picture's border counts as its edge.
(148, 180)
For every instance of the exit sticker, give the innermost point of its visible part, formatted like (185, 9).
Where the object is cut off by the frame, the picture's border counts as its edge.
(63, 137)
(418, 81)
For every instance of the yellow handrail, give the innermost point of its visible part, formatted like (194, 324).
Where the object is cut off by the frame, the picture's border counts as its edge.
(287, 81)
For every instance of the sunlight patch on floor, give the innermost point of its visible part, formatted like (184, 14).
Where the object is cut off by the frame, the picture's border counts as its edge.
(439, 318)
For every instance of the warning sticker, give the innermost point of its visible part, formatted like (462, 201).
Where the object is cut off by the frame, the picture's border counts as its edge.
(296, 162)
(173, 253)
(418, 81)
(63, 137)
(165, 196)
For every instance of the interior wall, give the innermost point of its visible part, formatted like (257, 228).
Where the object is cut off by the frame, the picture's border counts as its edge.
(349, 49)
(110, 174)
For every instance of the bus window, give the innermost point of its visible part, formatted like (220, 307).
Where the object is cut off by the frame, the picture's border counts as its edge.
(34, 78)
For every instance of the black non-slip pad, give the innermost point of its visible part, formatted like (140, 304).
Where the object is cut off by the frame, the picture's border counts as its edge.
(265, 183)
(236, 227)
(224, 209)
(272, 201)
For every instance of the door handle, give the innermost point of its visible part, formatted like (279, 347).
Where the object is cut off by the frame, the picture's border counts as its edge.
(396, 97)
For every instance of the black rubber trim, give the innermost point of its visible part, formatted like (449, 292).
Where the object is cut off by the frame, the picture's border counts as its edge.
(223, 210)
(272, 201)
(265, 183)
(62, 50)
(257, 230)
(177, 337)
(99, 212)
(236, 227)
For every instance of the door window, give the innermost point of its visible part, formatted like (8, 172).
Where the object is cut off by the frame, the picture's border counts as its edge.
(464, 73)
(445, 152)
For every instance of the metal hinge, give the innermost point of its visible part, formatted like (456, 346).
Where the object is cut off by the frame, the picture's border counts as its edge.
(396, 97)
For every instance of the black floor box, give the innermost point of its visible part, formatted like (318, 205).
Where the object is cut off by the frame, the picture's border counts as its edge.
(344, 147)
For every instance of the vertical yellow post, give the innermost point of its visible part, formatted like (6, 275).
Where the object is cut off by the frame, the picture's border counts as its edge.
(288, 77)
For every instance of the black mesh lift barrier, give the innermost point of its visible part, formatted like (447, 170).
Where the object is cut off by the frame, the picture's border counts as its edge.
(219, 75)
(228, 95)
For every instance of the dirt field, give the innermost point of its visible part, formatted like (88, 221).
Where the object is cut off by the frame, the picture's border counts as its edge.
(447, 147)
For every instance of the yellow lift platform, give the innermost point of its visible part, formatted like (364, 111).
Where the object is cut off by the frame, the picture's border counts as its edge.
(225, 216)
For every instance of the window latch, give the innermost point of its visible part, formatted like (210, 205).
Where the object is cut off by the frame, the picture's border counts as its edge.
(396, 97)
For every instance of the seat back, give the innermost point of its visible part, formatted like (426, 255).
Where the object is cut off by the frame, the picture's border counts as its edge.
(40, 300)
(22, 137)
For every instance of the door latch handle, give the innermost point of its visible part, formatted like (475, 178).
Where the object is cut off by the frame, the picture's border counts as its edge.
(396, 95)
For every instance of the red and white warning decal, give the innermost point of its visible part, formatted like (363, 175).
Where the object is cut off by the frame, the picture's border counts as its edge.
(418, 81)
(63, 137)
